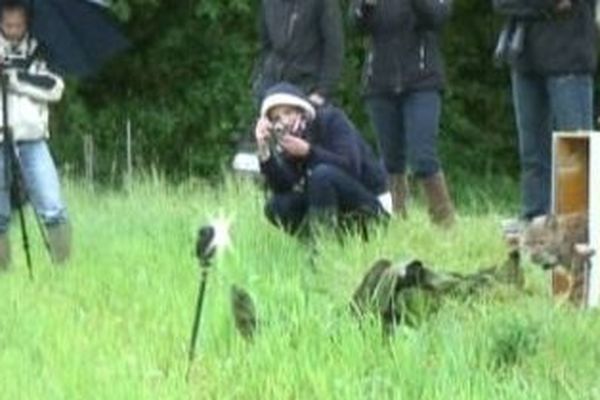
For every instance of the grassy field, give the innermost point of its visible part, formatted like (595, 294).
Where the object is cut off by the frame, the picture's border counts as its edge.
(115, 322)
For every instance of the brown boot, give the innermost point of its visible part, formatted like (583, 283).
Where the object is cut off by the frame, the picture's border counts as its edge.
(439, 204)
(4, 251)
(59, 239)
(399, 190)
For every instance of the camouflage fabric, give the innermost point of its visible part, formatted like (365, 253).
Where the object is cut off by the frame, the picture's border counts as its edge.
(405, 292)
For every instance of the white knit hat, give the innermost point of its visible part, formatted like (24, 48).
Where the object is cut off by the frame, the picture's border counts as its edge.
(285, 94)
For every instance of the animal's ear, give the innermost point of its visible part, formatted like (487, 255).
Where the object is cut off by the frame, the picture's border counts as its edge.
(367, 287)
(415, 272)
(584, 250)
(379, 266)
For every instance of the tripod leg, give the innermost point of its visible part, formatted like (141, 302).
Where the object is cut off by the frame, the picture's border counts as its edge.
(14, 175)
(4, 251)
(25, 237)
(5, 211)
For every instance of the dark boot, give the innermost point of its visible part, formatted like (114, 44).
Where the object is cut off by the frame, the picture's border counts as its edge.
(4, 251)
(399, 190)
(439, 204)
(59, 239)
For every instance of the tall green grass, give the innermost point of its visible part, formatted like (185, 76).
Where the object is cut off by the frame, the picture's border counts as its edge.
(115, 322)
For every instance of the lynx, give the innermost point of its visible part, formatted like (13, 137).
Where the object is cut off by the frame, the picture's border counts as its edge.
(404, 293)
(560, 243)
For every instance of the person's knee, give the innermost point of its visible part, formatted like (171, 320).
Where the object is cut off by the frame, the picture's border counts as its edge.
(322, 174)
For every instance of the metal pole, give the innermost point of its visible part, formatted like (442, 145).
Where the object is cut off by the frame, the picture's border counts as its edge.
(129, 156)
(196, 324)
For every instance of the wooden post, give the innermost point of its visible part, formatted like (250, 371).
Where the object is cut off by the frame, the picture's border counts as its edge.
(128, 144)
(88, 156)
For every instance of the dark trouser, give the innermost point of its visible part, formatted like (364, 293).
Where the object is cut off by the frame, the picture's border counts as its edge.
(407, 129)
(543, 104)
(329, 192)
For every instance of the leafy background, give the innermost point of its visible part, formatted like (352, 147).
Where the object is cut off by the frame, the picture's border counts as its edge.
(185, 87)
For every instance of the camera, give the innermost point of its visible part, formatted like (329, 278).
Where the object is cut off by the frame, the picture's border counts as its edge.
(13, 60)
(278, 131)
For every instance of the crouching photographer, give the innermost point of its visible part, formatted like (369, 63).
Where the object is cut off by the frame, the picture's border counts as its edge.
(317, 165)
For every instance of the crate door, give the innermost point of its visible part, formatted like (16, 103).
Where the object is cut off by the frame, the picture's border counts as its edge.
(570, 194)
(570, 171)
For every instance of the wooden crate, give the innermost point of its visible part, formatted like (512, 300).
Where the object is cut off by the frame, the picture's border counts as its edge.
(576, 189)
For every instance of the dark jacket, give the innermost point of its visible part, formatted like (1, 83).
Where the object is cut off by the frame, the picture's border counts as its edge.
(557, 44)
(561, 44)
(404, 53)
(302, 42)
(334, 141)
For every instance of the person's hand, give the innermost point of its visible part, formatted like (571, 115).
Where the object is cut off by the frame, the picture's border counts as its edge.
(295, 146)
(317, 99)
(262, 132)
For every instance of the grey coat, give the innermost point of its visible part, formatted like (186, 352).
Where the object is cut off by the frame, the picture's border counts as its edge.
(302, 42)
(404, 53)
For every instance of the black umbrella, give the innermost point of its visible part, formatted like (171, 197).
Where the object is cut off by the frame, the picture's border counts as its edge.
(79, 36)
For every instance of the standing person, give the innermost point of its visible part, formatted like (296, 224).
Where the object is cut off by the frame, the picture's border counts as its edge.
(302, 42)
(403, 78)
(551, 48)
(315, 162)
(31, 87)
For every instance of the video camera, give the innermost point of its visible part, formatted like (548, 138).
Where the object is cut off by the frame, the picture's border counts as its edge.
(13, 60)
(278, 131)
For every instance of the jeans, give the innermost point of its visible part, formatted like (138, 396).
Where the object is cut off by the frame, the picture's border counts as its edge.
(40, 180)
(407, 129)
(544, 104)
(329, 190)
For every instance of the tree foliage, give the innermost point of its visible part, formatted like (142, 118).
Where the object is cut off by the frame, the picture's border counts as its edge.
(185, 86)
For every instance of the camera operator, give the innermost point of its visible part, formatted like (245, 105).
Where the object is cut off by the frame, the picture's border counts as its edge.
(320, 168)
(30, 88)
(552, 62)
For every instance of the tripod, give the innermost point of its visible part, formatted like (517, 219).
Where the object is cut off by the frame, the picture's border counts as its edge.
(13, 175)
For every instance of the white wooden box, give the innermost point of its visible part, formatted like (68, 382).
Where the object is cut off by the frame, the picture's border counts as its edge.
(576, 188)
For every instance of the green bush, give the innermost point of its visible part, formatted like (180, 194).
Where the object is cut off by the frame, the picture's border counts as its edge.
(185, 85)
